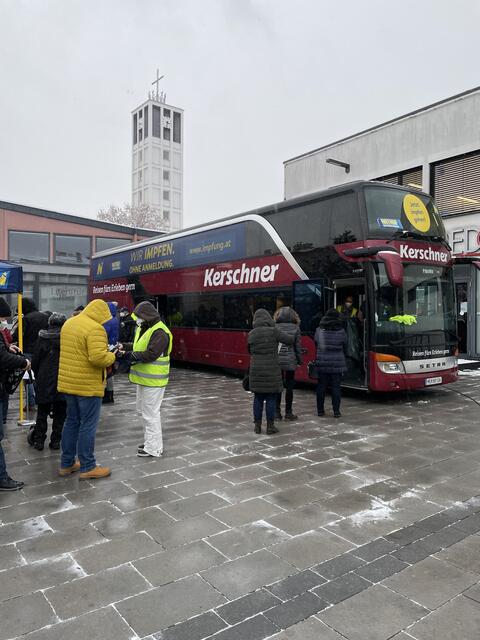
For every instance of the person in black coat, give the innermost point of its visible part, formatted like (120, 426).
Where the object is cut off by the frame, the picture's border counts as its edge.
(45, 363)
(289, 356)
(10, 359)
(331, 343)
(265, 373)
(33, 321)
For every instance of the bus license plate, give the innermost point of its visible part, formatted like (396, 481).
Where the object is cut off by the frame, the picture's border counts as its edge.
(430, 381)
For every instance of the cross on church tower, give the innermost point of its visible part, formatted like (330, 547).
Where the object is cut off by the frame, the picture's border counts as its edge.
(156, 82)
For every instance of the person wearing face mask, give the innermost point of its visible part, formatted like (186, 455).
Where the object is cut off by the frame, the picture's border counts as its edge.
(10, 359)
(347, 310)
(149, 357)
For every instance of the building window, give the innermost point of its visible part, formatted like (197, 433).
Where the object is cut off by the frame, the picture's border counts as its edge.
(456, 184)
(140, 197)
(104, 244)
(140, 177)
(411, 178)
(166, 133)
(166, 155)
(140, 135)
(177, 127)
(166, 113)
(145, 122)
(28, 246)
(166, 175)
(72, 249)
(140, 158)
(166, 215)
(166, 195)
(135, 129)
(156, 121)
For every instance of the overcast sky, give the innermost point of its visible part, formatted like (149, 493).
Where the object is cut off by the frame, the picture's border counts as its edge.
(260, 82)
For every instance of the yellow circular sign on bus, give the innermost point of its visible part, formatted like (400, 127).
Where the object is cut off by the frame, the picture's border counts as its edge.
(416, 212)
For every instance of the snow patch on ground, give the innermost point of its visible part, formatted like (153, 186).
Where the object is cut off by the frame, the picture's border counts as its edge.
(470, 373)
(379, 511)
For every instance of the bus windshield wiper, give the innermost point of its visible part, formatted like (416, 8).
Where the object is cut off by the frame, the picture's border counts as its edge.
(405, 233)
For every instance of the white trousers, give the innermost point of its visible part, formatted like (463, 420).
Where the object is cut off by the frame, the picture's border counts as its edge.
(149, 402)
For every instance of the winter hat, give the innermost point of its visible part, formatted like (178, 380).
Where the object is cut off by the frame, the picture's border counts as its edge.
(5, 311)
(331, 320)
(56, 320)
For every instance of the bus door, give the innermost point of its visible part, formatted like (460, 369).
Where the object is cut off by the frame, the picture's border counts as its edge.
(311, 299)
(355, 327)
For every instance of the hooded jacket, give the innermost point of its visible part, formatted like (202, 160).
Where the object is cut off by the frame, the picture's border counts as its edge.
(159, 340)
(263, 341)
(33, 322)
(8, 361)
(112, 326)
(331, 342)
(45, 364)
(289, 356)
(84, 352)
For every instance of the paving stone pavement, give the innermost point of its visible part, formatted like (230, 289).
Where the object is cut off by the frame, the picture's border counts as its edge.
(364, 528)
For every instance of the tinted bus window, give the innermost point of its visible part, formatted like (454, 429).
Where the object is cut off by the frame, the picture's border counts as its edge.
(391, 211)
(259, 242)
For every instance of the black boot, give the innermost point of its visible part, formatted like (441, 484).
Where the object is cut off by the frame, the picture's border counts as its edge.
(38, 444)
(258, 426)
(271, 428)
(108, 397)
(278, 414)
(30, 436)
(290, 416)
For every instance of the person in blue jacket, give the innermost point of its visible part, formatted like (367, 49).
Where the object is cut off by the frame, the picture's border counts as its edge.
(112, 327)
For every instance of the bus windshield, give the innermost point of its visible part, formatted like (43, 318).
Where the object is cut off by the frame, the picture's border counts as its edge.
(424, 305)
(391, 212)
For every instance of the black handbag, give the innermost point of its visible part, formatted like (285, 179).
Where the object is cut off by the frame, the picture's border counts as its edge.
(312, 370)
(12, 380)
(246, 382)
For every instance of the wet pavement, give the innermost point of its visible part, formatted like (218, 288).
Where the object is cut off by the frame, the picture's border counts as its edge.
(364, 528)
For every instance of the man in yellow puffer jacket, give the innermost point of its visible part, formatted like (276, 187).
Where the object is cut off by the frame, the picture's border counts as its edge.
(84, 356)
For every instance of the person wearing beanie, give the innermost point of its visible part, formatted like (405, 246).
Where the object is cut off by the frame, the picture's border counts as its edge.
(45, 363)
(84, 358)
(33, 321)
(149, 356)
(10, 359)
(330, 365)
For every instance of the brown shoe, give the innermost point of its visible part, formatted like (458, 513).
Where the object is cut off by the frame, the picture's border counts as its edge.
(66, 471)
(96, 473)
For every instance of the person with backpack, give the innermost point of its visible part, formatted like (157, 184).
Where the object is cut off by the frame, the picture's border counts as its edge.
(330, 365)
(265, 377)
(10, 359)
(149, 357)
(45, 363)
(290, 357)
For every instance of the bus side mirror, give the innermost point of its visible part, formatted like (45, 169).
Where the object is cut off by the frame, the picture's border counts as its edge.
(393, 266)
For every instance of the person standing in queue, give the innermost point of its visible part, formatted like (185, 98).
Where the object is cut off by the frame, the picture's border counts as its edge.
(112, 327)
(9, 359)
(331, 343)
(347, 310)
(149, 357)
(290, 357)
(265, 374)
(84, 357)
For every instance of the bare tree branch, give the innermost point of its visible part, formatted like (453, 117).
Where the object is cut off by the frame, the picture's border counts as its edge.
(142, 216)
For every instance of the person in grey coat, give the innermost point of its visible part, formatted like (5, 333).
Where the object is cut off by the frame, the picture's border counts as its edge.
(265, 373)
(331, 342)
(289, 356)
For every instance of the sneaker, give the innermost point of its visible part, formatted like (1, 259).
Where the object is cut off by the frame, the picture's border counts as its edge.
(11, 485)
(291, 416)
(96, 473)
(141, 453)
(66, 471)
(140, 448)
(337, 414)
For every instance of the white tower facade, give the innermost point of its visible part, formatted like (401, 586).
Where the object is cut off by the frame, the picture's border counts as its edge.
(157, 159)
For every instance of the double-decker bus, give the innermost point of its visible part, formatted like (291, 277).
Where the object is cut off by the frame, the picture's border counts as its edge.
(381, 244)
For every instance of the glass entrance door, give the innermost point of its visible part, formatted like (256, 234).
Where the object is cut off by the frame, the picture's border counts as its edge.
(461, 292)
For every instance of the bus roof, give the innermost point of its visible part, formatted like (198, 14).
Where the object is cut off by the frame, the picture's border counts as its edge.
(278, 206)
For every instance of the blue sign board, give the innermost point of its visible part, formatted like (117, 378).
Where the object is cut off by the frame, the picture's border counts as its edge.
(11, 278)
(205, 247)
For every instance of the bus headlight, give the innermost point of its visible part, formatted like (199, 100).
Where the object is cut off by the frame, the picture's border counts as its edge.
(391, 367)
(388, 363)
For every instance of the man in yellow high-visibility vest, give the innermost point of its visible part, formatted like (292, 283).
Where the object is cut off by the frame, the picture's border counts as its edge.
(149, 355)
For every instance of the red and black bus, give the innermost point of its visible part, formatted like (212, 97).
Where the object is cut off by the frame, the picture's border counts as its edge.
(381, 244)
